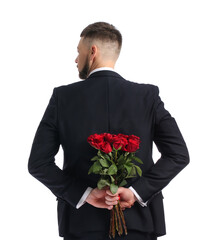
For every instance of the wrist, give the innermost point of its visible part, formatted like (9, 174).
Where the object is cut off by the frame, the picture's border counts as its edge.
(89, 196)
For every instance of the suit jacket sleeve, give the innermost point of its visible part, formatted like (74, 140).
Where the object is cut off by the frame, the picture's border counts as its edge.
(174, 153)
(42, 158)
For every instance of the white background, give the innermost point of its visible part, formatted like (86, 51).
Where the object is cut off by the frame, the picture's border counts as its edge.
(165, 43)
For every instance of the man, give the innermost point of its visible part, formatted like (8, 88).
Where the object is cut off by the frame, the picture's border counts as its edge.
(105, 102)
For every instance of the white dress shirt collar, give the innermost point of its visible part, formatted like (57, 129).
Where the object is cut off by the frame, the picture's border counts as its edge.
(101, 69)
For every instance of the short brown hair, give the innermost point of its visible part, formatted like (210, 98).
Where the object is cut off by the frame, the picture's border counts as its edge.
(102, 31)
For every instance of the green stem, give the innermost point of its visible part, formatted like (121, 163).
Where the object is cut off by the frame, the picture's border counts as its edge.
(112, 231)
(120, 231)
(115, 156)
(116, 222)
(122, 218)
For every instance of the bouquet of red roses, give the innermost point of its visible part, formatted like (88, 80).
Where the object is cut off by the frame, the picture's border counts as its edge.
(115, 162)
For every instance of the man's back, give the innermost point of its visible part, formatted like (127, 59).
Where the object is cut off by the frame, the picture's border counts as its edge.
(104, 102)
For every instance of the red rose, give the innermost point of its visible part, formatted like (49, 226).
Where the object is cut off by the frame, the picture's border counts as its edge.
(133, 143)
(108, 137)
(101, 141)
(106, 147)
(123, 135)
(96, 140)
(120, 140)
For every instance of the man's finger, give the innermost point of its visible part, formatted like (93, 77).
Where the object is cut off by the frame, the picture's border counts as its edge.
(108, 192)
(111, 198)
(111, 203)
(125, 205)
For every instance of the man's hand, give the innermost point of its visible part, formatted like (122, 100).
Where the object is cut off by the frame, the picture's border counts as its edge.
(98, 198)
(127, 197)
(105, 199)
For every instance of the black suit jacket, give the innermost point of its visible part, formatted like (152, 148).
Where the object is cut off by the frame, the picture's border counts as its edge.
(105, 102)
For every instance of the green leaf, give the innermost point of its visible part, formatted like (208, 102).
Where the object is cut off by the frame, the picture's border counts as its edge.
(114, 149)
(129, 159)
(113, 188)
(94, 158)
(128, 168)
(112, 179)
(133, 171)
(90, 170)
(123, 183)
(129, 176)
(102, 183)
(119, 148)
(137, 159)
(100, 154)
(104, 162)
(97, 167)
(104, 172)
(126, 154)
(139, 171)
(112, 169)
(120, 167)
(107, 157)
(121, 159)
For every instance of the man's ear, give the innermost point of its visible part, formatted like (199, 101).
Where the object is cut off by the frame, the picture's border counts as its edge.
(94, 51)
